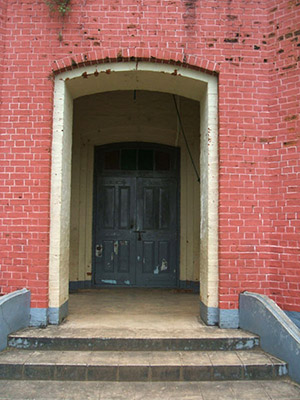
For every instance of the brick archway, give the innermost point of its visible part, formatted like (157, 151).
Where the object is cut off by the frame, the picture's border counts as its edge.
(108, 56)
(79, 77)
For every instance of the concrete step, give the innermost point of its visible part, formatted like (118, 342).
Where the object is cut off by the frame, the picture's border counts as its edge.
(226, 390)
(139, 365)
(55, 338)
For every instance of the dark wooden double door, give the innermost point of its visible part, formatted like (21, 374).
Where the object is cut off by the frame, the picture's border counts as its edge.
(136, 225)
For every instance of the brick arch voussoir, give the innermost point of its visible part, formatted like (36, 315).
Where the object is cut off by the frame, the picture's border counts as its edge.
(134, 55)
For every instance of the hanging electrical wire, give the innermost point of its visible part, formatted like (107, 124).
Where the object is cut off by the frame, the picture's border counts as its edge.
(185, 139)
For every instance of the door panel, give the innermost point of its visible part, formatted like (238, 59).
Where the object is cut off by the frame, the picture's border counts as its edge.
(148, 258)
(148, 210)
(156, 220)
(164, 210)
(108, 259)
(124, 256)
(124, 208)
(115, 248)
(109, 205)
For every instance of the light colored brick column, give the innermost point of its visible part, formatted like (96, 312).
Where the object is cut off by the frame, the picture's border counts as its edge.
(60, 203)
(209, 271)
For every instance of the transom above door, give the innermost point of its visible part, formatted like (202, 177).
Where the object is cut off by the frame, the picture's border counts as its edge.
(136, 215)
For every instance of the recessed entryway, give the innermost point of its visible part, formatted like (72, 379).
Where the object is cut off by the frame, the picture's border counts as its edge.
(130, 144)
(72, 182)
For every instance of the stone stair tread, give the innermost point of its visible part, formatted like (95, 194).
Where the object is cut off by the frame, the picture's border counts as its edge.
(110, 333)
(139, 365)
(135, 358)
(55, 338)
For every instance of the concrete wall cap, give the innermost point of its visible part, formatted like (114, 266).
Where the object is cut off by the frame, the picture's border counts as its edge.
(9, 296)
(277, 312)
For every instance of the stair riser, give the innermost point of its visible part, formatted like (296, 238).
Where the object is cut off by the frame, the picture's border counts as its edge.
(140, 372)
(132, 344)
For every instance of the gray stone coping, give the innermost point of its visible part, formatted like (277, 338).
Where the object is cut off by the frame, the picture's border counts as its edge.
(278, 334)
(14, 313)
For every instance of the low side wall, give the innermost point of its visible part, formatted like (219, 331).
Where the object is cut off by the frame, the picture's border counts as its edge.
(14, 314)
(279, 335)
(294, 316)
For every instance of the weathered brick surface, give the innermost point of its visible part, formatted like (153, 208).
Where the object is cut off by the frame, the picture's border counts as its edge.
(254, 47)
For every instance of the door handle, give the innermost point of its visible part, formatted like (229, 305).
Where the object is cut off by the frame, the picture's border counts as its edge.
(140, 234)
(98, 250)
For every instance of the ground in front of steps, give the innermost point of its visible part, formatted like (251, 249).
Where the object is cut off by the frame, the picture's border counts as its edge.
(226, 390)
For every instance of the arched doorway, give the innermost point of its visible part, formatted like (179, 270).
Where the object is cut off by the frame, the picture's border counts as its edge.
(103, 78)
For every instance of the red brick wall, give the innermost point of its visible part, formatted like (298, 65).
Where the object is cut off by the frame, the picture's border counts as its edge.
(258, 117)
(284, 146)
(25, 153)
